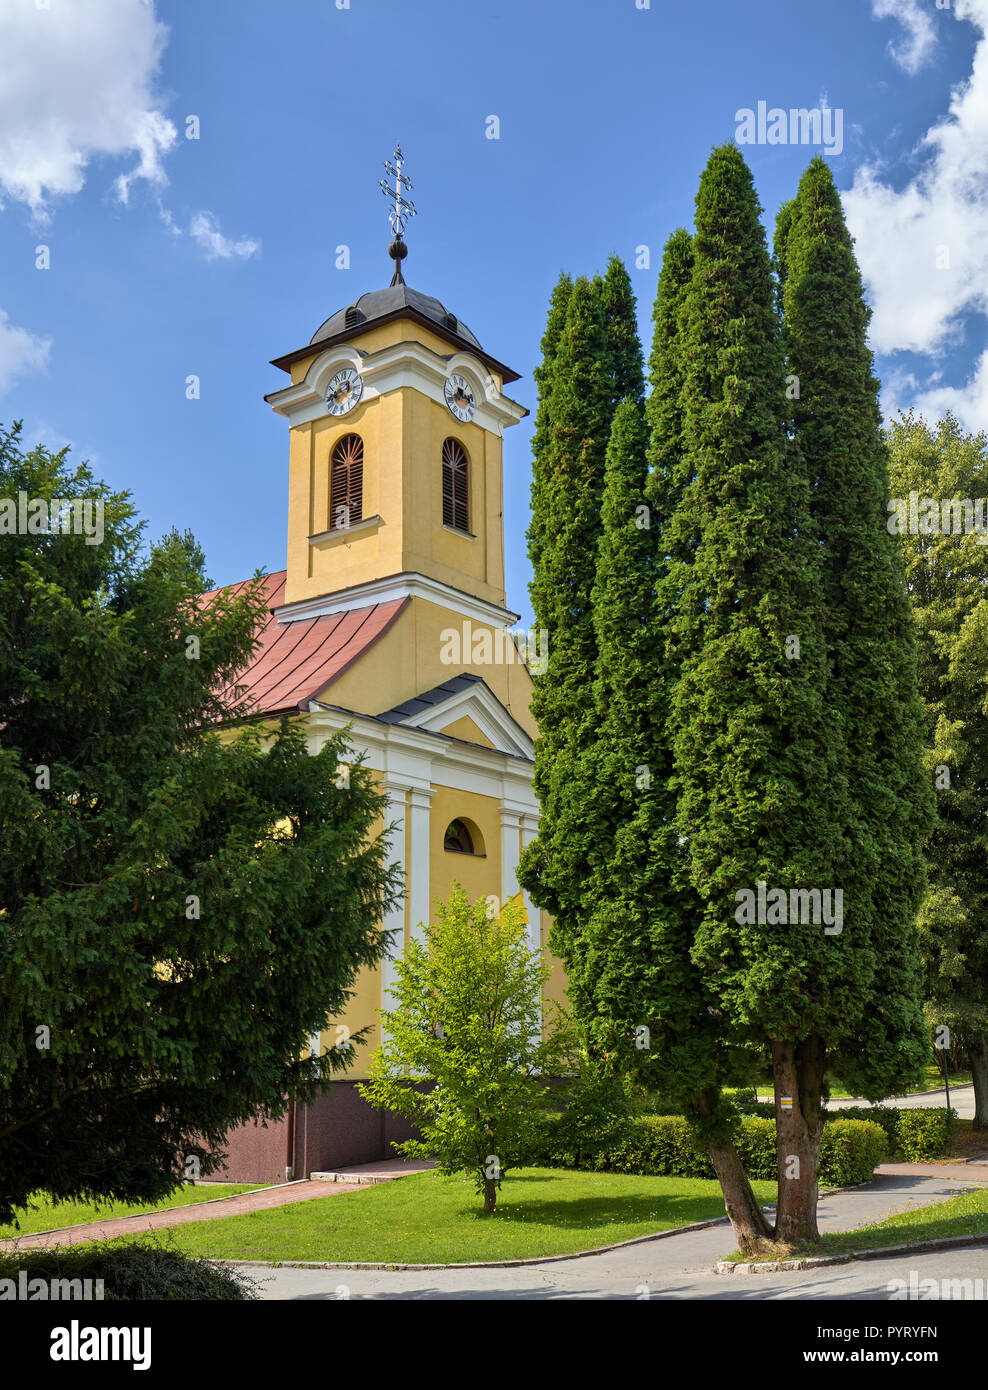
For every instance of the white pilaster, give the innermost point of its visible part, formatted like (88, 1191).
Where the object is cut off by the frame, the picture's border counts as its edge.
(529, 829)
(420, 905)
(394, 919)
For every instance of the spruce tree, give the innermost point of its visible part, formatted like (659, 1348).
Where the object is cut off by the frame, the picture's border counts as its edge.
(178, 913)
(947, 573)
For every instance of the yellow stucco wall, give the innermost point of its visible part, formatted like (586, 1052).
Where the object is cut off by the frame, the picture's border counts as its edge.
(403, 433)
(409, 659)
(468, 731)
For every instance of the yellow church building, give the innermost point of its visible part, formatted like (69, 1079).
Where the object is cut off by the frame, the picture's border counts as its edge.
(390, 619)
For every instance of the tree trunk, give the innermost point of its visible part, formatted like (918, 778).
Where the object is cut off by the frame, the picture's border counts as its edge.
(798, 1072)
(751, 1229)
(490, 1194)
(977, 1051)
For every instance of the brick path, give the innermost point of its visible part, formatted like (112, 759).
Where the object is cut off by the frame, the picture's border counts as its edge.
(261, 1200)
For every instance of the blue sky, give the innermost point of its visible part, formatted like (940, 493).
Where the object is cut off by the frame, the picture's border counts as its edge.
(171, 257)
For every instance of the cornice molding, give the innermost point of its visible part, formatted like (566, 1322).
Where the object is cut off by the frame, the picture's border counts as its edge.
(409, 365)
(396, 586)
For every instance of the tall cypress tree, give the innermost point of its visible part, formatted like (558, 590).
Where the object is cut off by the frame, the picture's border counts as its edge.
(752, 738)
(870, 1021)
(642, 1001)
(624, 351)
(542, 435)
(566, 500)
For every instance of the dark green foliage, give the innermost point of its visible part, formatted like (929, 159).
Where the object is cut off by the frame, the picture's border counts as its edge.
(748, 722)
(624, 353)
(542, 434)
(178, 913)
(566, 502)
(879, 800)
(667, 1145)
(136, 1272)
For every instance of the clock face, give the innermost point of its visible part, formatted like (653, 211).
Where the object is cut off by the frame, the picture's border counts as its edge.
(460, 398)
(344, 391)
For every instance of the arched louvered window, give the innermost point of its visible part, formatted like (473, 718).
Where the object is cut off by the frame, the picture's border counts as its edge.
(456, 486)
(347, 491)
(457, 839)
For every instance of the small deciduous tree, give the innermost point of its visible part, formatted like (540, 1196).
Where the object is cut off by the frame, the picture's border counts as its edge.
(466, 1054)
(941, 474)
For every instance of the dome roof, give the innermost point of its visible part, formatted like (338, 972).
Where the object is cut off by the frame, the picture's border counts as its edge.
(379, 304)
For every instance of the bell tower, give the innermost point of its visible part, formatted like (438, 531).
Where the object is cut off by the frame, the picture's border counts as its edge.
(396, 420)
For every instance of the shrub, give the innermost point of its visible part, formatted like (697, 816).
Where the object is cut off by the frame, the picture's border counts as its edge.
(912, 1135)
(663, 1145)
(850, 1151)
(924, 1134)
(140, 1270)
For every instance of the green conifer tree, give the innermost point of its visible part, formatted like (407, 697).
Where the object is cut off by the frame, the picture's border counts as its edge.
(867, 1013)
(541, 435)
(751, 735)
(557, 868)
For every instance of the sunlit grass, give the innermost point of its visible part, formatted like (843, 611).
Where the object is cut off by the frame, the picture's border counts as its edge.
(429, 1219)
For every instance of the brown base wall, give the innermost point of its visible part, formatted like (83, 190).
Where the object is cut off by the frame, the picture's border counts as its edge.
(338, 1128)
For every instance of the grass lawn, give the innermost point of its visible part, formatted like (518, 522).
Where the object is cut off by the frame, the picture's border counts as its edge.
(428, 1219)
(45, 1215)
(965, 1215)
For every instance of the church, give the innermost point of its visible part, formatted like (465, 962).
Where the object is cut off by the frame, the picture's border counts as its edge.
(390, 619)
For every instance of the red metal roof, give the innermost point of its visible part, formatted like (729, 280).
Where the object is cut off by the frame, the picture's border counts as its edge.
(294, 661)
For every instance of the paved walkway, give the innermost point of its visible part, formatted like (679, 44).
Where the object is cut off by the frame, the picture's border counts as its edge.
(350, 1179)
(670, 1267)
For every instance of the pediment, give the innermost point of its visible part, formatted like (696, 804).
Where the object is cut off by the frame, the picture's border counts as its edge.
(465, 697)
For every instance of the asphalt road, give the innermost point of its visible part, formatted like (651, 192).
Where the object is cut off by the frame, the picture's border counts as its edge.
(961, 1100)
(674, 1267)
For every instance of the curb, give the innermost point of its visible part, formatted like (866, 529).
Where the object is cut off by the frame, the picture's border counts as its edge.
(818, 1261)
(474, 1264)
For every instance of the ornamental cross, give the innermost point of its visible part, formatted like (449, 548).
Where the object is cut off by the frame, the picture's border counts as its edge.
(402, 208)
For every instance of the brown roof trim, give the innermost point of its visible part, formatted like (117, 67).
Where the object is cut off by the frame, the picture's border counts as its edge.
(286, 360)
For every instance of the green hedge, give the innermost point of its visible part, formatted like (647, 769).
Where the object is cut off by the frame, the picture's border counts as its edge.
(913, 1135)
(663, 1145)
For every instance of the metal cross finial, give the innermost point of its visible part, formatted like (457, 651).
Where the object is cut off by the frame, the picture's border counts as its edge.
(402, 208)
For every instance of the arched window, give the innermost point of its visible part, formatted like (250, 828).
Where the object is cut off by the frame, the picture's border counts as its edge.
(457, 839)
(456, 486)
(347, 489)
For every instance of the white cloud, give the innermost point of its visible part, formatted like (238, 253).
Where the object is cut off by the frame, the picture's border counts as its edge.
(923, 247)
(78, 83)
(20, 351)
(921, 36)
(205, 231)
